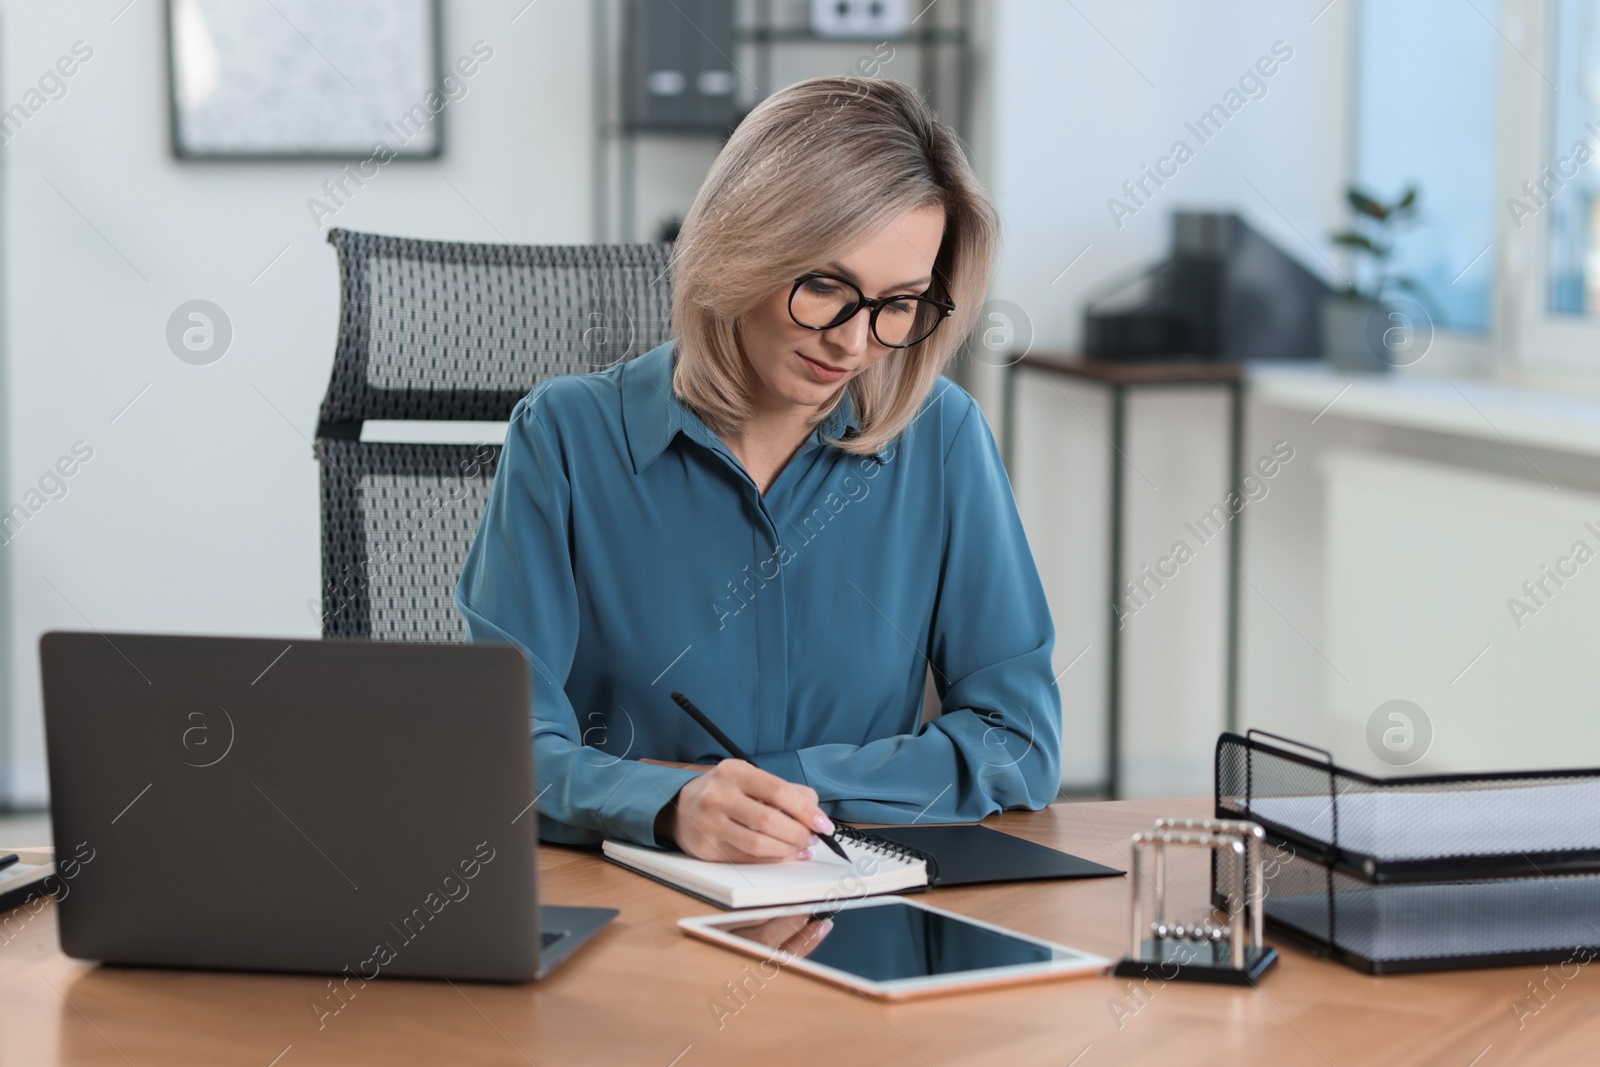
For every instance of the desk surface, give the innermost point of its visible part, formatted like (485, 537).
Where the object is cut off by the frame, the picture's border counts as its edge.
(643, 993)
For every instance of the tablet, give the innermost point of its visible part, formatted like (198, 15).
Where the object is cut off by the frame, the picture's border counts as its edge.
(890, 947)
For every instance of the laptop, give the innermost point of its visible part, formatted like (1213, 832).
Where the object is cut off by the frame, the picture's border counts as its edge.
(343, 807)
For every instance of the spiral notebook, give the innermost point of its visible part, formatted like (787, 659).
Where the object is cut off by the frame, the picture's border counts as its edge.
(890, 860)
(25, 880)
(876, 865)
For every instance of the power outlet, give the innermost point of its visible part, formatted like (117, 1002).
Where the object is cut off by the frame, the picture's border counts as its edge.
(879, 19)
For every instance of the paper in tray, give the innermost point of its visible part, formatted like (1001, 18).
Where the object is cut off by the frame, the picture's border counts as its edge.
(1434, 927)
(1421, 823)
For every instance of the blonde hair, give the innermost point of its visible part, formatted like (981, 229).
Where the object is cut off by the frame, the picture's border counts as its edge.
(816, 168)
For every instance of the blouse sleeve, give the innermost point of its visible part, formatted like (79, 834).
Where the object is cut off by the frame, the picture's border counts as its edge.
(517, 587)
(996, 743)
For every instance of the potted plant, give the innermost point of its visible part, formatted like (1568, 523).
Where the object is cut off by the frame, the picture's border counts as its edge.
(1360, 331)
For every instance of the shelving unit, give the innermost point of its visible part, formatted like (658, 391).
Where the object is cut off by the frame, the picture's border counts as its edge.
(774, 46)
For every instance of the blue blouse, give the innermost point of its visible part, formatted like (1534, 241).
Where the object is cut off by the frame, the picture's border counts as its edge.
(626, 552)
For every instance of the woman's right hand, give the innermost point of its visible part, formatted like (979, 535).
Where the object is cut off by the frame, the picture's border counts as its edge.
(738, 813)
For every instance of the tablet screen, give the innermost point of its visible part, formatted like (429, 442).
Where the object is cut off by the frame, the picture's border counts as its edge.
(889, 942)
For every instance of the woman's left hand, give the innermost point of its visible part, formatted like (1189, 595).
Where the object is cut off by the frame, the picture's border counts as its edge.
(699, 767)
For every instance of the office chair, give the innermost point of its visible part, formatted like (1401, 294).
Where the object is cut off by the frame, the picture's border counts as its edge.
(447, 331)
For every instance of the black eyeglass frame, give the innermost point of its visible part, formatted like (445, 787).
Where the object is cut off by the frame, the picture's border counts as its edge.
(864, 301)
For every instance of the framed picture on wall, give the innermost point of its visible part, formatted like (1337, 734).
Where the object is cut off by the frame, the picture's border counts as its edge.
(304, 79)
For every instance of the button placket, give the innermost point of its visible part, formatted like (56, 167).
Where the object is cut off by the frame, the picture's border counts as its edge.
(772, 637)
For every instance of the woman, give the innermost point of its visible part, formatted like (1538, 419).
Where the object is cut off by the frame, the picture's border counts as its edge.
(785, 512)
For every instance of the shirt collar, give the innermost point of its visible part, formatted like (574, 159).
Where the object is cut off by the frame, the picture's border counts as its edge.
(653, 414)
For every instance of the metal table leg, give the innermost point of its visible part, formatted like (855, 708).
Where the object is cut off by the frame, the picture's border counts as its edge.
(1114, 645)
(1236, 478)
(1008, 413)
(1119, 390)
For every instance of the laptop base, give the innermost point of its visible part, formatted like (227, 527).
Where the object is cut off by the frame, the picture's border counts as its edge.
(575, 926)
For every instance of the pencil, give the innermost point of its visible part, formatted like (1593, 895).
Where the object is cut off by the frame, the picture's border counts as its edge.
(737, 753)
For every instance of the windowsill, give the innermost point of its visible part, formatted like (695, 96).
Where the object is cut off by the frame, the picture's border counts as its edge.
(1519, 409)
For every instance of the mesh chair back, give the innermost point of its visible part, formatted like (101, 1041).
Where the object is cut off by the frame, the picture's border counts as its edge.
(437, 330)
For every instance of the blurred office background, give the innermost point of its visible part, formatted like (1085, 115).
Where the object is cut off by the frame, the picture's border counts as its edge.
(1401, 549)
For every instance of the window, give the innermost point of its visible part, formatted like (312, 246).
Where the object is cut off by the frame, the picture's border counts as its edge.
(1568, 181)
(1426, 88)
(1492, 108)
(1548, 235)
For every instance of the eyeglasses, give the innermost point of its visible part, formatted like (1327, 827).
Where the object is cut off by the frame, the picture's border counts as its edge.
(821, 302)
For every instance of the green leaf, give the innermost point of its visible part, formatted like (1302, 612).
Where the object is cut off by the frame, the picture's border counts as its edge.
(1351, 239)
(1366, 205)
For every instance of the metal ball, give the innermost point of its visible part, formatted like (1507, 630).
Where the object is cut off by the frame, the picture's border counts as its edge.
(1218, 933)
(1162, 930)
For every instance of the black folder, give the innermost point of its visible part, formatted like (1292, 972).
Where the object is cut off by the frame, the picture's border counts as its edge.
(971, 855)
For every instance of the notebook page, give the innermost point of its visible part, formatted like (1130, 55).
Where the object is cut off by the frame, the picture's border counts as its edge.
(746, 885)
(22, 872)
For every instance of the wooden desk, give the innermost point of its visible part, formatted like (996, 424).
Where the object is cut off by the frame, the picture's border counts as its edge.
(641, 993)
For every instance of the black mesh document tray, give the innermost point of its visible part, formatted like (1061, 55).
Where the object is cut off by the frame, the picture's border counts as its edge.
(1419, 873)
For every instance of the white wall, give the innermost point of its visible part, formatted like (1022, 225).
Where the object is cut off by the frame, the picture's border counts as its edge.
(1381, 568)
(1074, 117)
(1173, 644)
(1082, 95)
(1423, 560)
(198, 511)
(155, 533)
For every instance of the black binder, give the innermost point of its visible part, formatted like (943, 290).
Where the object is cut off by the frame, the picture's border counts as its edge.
(972, 855)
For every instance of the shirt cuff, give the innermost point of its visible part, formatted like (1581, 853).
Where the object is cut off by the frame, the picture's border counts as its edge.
(555, 832)
(785, 765)
(629, 813)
